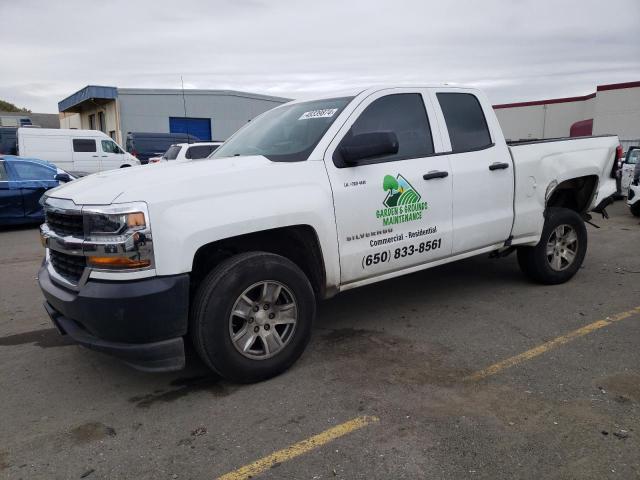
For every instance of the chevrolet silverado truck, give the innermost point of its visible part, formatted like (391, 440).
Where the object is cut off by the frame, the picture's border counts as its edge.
(309, 199)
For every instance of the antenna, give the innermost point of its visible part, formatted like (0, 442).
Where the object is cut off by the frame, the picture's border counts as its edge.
(184, 105)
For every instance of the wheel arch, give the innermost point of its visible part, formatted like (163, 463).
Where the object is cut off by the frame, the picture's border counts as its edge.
(576, 194)
(298, 243)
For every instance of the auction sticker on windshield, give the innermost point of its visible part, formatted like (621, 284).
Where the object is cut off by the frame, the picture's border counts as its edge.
(324, 113)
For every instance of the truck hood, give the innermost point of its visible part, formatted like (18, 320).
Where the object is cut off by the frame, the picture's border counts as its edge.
(148, 182)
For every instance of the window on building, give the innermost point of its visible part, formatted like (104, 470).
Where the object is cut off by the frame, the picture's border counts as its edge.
(101, 122)
(465, 120)
(92, 122)
(112, 134)
(109, 146)
(403, 114)
(84, 145)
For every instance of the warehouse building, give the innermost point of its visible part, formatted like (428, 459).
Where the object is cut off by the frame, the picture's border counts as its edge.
(23, 119)
(613, 108)
(207, 114)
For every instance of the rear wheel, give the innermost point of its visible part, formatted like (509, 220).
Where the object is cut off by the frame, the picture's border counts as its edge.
(561, 249)
(252, 315)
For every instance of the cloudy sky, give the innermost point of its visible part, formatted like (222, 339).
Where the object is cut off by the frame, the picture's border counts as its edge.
(516, 50)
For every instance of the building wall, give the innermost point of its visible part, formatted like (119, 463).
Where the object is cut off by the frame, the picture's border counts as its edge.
(70, 120)
(615, 109)
(44, 120)
(618, 112)
(81, 120)
(149, 110)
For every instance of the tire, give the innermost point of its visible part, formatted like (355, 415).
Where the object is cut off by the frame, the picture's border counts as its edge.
(635, 209)
(550, 265)
(236, 285)
(125, 166)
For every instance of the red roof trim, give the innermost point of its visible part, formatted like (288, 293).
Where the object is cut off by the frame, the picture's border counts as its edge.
(600, 88)
(616, 86)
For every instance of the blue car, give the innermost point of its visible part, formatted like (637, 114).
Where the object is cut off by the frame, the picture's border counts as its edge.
(22, 183)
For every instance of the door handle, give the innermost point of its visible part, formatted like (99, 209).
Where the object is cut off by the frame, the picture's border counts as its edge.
(432, 175)
(94, 156)
(104, 156)
(498, 166)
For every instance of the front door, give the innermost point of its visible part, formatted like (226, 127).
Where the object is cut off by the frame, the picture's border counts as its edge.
(111, 156)
(392, 211)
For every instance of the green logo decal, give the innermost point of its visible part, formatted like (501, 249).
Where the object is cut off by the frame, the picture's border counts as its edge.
(402, 202)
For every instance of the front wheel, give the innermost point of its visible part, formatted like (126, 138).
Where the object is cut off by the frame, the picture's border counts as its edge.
(252, 315)
(561, 249)
(635, 209)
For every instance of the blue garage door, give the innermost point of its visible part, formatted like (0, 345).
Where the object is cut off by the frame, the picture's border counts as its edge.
(199, 127)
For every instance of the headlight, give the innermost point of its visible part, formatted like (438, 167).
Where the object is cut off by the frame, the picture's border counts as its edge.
(118, 237)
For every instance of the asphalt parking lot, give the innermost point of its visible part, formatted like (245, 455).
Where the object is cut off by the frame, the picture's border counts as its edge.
(462, 371)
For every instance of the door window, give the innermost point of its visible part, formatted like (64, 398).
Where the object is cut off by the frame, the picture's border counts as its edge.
(32, 171)
(84, 145)
(172, 153)
(465, 121)
(403, 114)
(109, 146)
(200, 151)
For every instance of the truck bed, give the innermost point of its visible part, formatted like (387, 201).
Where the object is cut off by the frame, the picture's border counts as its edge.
(541, 165)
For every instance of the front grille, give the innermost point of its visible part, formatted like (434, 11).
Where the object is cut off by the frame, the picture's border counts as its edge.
(65, 224)
(68, 266)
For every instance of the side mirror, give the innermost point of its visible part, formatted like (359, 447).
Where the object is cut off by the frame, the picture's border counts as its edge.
(62, 177)
(368, 145)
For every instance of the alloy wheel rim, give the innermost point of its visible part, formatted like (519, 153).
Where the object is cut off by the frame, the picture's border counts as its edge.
(263, 320)
(562, 247)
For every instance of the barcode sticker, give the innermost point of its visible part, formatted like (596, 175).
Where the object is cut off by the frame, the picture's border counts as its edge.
(327, 112)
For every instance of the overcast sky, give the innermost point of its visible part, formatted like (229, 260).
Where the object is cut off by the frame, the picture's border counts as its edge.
(516, 50)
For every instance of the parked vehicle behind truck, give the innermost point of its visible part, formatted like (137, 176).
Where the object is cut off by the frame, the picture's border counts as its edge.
(146, 145)
(187, 151)
(76, 151)
(309, 199)
(629, 164)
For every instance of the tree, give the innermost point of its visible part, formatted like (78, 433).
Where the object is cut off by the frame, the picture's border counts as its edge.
(390, 183)
(10, 107)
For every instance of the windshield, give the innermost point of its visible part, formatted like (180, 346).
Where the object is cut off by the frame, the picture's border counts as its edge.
(172, 153)
(285, 134)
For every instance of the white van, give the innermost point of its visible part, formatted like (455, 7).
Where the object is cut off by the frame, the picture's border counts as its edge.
(84, 151)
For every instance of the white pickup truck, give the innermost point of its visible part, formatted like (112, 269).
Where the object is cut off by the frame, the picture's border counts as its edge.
(309, 199)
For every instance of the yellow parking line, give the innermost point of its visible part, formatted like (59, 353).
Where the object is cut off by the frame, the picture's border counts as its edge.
(300, 448)
(545, 347)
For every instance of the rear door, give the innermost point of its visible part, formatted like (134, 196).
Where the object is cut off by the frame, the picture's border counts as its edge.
(33, 179)
(482, 171)
(392, 212)
(85, 155)
(11, 208)
(111, 155)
